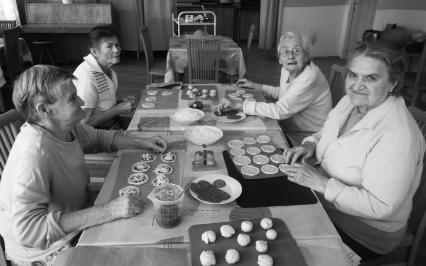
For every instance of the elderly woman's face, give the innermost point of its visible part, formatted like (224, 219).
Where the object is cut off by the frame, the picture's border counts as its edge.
(292, 56)
(367, 82)
(108, 51)
(67, 111)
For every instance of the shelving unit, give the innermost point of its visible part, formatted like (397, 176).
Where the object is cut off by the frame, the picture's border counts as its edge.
(209, 20)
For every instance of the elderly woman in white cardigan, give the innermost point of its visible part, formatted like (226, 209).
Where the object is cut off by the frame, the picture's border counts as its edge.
(370, 152)
(303, 98)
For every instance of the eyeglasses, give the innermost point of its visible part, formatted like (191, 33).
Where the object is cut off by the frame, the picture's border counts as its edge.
(288, 52)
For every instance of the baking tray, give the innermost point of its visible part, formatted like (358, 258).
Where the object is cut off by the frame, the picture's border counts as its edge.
(261, 175)
(283, 249)
(127, 159)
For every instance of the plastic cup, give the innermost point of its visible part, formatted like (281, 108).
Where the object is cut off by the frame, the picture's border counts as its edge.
(167, 201)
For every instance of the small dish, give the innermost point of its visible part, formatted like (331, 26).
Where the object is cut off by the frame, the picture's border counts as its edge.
(232, 187)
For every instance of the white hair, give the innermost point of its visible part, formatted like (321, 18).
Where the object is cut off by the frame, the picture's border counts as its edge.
(306, 44)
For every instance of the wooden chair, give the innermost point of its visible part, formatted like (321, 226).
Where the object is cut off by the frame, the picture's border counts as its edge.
(418, 75)
(249, 41)
(337, 83)
(6, 25)
(154, 69)
(3, 261)
(10, 123)
(203, 59)
(408, 249)
(12, 52)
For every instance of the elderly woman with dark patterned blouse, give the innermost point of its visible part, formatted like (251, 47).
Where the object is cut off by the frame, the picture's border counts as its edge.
(97, 82)
(44, 196)
(370, 152)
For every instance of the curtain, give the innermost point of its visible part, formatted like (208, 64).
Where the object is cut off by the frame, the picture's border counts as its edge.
(9, 11)
(270, 28)
(157, 16)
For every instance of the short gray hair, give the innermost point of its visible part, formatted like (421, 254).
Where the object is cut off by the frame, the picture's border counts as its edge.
(37, 84)
(306, 44)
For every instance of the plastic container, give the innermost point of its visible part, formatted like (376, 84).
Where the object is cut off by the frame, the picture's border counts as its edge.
(167, 201)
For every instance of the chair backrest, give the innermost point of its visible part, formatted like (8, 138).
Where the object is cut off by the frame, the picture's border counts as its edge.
(10, 123)
(147, 48)
(203, 59)
(249, 40)
(6, 25)
(337, 83)
(418, 78)
(12, 52)
(417, 221)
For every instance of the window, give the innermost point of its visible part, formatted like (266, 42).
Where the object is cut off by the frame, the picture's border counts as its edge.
(8, 10)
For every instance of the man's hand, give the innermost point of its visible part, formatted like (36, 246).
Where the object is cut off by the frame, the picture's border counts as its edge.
(124, 207)
(156, 143)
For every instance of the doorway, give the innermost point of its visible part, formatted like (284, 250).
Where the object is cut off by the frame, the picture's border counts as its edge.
(361, 17)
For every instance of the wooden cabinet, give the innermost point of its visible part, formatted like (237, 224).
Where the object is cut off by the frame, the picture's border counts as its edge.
(246, 17)
(67, 26)
(225, 21)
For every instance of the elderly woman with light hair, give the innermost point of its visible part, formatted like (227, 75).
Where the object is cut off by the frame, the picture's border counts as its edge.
(369, 152)
(44, 195)
(303, 98)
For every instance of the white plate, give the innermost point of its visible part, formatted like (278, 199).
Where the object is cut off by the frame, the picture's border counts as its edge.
(203, 135)
(225, 119)
(233, 187)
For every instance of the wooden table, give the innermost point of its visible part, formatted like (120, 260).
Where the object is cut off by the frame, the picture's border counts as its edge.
(160, 115)
(230, 56)
(113, 256)
(309, 224)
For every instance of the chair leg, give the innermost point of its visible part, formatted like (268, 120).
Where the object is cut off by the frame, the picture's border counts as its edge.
(41, 55)
(50, 58)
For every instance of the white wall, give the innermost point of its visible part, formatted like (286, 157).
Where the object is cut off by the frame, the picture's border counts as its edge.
(329, 21)
(408, 18)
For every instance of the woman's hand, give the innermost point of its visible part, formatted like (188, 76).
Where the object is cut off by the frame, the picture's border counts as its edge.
(307, 176)
(304, 151)
(156, 143)
(226, 105)
(123, 107)
(245, 83)
(124, 207)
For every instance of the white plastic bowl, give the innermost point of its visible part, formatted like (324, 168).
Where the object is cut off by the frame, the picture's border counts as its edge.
(187, 116)
(203, 135)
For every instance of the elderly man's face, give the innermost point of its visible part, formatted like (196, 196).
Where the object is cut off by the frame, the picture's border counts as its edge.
(66, 111)
(108, 52)
(292, 56)
(367, 82)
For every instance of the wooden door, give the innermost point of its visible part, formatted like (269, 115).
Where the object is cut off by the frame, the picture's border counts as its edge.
(361, 16)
